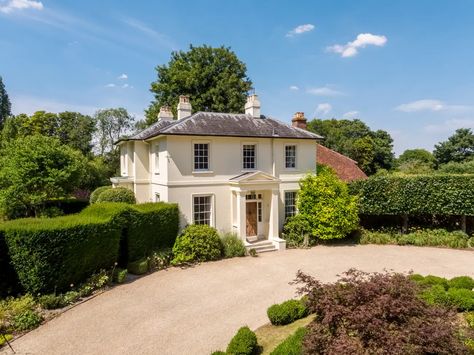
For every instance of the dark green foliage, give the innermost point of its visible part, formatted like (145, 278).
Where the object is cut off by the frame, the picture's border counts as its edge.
(19, 314)
(27, 320)
(197, 243)
(243, 343)
(461, 282)
(436, 194)
(465, 167)
(218, 352)
(161, 259)
(418, 237)
(52, 301)
(5, 105)
(96, 193)
(459, 147)
(52, 254)
(233, 246)
(432, 280)
(461, 299)
(214, 78)
(117, 194)
(287, 312)
(296, 230)
(138, 267)
(120, 275)
(111, 124)
(291, 345)
(9, 280)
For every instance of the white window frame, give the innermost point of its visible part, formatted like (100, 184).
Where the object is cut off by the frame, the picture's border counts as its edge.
(124, 160)
(208, 156)
(157, 158)
(296, 156)
(212, 207)
(295, 210)
(255, 156)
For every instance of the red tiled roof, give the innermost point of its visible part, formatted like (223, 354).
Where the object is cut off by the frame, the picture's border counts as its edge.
(346, 168)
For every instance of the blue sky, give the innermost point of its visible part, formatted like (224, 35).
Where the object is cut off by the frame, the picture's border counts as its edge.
(403, 66)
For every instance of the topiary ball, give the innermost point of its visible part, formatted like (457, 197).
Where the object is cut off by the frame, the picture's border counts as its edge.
(96, 193)
(117, 194)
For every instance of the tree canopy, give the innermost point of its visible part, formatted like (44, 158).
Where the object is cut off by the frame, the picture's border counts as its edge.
(371, 149)
(112, 123)
(36, 169)
(5, 105)
(458, 148)
(214, 78)
(416, 161)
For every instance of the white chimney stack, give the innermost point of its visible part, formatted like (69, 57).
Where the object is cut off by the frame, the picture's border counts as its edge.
(165, 114)
(184, 107)
(252, 106)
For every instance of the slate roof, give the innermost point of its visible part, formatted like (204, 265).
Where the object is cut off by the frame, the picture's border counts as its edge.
(345, 168)
(224, 124)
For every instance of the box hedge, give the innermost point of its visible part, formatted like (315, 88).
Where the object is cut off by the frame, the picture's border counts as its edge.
(243, 343)
(440, 194)
(50, 254)
(287, 312)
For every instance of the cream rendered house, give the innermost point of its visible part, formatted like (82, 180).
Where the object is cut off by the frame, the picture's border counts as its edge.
(236, 172)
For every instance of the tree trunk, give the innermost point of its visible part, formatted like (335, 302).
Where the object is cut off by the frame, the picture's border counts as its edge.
(405, 224)
(463, 223)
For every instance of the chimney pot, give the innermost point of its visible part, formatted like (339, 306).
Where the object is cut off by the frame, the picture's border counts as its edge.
(252, 106)
(165, 114)
(299, 120)
(184, 107)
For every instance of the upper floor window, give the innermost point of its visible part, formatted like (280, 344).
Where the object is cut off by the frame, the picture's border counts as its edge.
(157, 158)
(124, 160)
(290, 203)
(201, 156)
(249, 156)
(290, 156)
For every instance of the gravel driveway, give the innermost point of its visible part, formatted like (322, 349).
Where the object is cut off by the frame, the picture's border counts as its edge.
(197, 310)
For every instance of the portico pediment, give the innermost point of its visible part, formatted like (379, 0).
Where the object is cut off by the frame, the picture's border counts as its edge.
(254, 177)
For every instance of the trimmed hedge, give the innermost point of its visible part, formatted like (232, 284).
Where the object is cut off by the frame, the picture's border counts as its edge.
(287, 312)
(8, 280)
(96, 193)
(243, 343)
(293, 345)
(438, 194)
(50, 254)
(117, 194)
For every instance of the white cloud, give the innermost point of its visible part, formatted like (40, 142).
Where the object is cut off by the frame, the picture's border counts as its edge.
(123, 77)
(111, 85)
(300, 29)
(323, 91)
(363, 40)
(324, 108)
(433, 106)
(294, 87)
(124, 86)
(450, 125)
(351, 115)
(13, 5)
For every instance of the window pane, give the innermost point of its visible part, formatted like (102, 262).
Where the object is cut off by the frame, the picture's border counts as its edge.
(290, 203)
(201, 156)
(248, 156)
(290, 156)
(202, 209)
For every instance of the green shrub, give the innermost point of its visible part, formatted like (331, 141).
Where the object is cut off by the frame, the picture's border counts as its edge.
(4, 338)
(243, 343)
(117, 194)
(52, 301)
(161, 259)
(26, 320)
(295, 230)
(431, 280)
(416, 277)
(50, 212)
(460, 298)
(436, 194)
(435, 295)
(325, 202)
(218, 352)
(120, 275)
(291, 345)
(52, 254)
(138, 267)
(197, 243)
(96, 193)
(469, 316)
(71, 297)
(461, 282)
(287, 312)
(233, 245)
(19, 313)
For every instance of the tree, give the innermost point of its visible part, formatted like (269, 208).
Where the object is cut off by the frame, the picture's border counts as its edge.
(34, 170)
(324, 201)
(371, 149)
(458, 148)
(416, 161)
(5, 105)
(214, 78)
(466, 167)
(71, 128)
(112, 124)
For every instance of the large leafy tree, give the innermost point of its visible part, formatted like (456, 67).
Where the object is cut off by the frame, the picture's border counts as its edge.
(34, 170)
(214, 78)
(5, 105)
(458, 148)
(71, 128)
(112, 123)
(416, 161)
(373, 150)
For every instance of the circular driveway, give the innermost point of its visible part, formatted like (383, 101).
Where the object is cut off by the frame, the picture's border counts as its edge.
(197, 310)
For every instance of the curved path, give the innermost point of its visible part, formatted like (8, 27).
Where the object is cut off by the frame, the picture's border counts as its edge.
(197, 310)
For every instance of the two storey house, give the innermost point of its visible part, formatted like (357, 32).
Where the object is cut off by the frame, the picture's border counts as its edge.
(236, 172)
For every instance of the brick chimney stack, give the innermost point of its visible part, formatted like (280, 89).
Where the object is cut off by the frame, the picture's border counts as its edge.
(252, 106)
(184, 107)
(299, 120)
(165, 114)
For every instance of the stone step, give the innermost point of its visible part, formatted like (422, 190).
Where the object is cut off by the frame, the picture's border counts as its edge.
(261, 247)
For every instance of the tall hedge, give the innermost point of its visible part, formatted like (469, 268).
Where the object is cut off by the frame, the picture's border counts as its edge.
(50, 254)
(416, 195)
(8, 278)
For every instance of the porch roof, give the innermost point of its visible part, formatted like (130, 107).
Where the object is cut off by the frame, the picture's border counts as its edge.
(254, 177)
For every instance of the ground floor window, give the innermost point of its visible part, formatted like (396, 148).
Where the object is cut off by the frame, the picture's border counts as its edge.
(290, 203)
(202, 209)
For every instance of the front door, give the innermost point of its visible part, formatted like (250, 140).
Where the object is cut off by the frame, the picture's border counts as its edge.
(251, 213)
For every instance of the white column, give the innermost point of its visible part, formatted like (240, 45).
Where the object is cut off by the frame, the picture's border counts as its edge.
(241, 224)
(274, 219)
